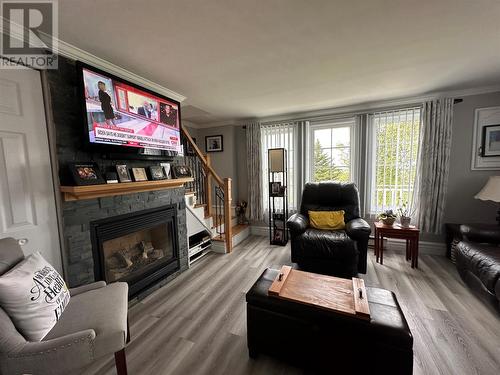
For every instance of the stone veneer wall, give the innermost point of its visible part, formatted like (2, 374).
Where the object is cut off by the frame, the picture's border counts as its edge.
(76, 215)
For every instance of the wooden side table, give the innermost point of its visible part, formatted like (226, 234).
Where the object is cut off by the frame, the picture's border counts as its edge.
(410, 234)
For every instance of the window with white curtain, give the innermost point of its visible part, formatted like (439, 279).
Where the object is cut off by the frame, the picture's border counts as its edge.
(392, 158)
(282, 135)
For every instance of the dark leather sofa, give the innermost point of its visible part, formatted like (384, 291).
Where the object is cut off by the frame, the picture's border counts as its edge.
(339, 253)
(478, 261)
(327, 342)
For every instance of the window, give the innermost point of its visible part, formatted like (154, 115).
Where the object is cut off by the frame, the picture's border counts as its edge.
(393, 149)
(278, 136)
(331, 151)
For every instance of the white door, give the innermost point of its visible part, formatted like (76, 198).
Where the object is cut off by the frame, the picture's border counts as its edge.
(27, 206)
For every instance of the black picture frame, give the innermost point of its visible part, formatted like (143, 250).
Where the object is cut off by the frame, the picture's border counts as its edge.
(214, 143)
(86, 173)
(486, 150)
(180, 171)
(275, 189)
(123, 173)
(156, 172)
(139, 174)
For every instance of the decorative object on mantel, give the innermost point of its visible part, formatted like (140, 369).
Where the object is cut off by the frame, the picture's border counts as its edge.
(486, 139)
(388, 217)
(139, 174)
(166, 169)
(86, 173)
(156, 172)
(214, 143)
(491, 192)
(123, 173)
(181, 171)
(73, 193)
(111, 178)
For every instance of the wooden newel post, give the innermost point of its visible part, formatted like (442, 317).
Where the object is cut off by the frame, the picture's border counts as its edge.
(208, 190)
(228, 225)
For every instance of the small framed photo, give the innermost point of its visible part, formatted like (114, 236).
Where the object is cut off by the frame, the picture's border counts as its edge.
(156, 172)
(86, 173)
(213, 143)
(123, 173)
(278, 235)
(275, 189)
(166, 170)
(181, 171)
(491, 141)
(139, 174)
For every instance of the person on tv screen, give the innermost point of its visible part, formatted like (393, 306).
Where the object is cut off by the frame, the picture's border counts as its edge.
(105, 100)
(145, 110)
(168, 115)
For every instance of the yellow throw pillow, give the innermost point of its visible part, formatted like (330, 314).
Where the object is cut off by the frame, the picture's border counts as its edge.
(328, 220)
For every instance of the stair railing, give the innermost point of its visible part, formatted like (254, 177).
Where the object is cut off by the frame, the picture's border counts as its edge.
(203, 174)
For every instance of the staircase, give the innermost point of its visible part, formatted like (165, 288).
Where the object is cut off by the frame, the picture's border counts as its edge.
(211, 220)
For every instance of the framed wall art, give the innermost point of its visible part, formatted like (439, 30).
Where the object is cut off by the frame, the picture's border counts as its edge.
(486, 139)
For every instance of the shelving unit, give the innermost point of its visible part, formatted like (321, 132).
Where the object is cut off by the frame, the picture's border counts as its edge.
(278, 196)
(199, 246)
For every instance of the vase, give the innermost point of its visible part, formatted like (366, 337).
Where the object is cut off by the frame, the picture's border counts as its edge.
(405, 221)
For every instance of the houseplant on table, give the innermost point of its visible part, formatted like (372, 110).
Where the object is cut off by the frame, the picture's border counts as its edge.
(404, 213)
(387, 217)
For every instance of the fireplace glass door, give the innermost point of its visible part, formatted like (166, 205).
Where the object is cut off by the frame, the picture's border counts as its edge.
(137, 253)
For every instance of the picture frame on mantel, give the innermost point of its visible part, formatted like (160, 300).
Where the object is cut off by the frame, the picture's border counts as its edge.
(484, 160)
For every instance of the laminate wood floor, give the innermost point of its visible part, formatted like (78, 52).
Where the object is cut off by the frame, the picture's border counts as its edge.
(196, 324)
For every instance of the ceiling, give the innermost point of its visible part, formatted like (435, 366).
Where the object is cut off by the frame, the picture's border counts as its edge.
(237, 59)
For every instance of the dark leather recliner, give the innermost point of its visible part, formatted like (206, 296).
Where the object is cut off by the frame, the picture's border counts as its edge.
(478, 261)
(339, 253)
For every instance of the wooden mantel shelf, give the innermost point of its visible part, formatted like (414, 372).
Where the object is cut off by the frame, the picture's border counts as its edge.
(73, 193)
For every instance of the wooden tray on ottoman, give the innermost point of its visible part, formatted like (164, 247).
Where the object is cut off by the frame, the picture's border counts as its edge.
(343, 296)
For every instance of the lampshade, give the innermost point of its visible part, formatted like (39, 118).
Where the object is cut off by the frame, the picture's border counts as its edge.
(490, 191)
(276, 159)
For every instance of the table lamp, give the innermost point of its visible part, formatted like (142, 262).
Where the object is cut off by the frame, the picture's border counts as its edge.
(491, 192)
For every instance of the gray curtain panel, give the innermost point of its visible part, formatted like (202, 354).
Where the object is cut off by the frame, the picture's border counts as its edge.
(433, 164)
(254, 171)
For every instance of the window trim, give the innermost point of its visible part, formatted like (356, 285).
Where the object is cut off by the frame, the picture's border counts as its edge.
(354, 154)
(371, 157)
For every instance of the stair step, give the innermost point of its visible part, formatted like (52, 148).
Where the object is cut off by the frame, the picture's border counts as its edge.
(200, 205)
(189, 192)
(236, 230)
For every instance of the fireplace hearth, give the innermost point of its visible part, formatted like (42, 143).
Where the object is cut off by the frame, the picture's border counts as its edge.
(140, 248)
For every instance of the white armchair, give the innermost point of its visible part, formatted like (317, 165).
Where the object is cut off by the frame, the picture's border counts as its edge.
(94, 324)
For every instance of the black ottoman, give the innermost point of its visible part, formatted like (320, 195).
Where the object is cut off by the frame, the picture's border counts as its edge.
(327, 342)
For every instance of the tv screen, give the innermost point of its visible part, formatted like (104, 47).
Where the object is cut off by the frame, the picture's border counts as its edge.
(120, 113)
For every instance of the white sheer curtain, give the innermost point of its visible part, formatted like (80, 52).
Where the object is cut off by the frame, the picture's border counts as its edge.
(280, 135)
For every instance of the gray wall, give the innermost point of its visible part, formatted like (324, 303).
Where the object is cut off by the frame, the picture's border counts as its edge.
(463, 182)
(225, 163)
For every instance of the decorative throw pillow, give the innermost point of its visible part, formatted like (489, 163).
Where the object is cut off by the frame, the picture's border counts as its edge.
(34, 296)
(327, 220)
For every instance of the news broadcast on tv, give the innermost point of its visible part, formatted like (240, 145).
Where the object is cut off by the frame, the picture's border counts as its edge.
(120, 114)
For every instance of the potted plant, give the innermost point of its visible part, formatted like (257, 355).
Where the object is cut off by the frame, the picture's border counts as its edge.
(388, 217)
(404, 214)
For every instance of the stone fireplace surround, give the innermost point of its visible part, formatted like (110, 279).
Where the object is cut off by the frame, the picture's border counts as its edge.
(76, 216)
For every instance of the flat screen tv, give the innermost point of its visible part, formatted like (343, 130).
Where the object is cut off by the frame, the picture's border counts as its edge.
(124, 118)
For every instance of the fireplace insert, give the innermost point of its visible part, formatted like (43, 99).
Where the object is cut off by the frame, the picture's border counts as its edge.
(140, 248)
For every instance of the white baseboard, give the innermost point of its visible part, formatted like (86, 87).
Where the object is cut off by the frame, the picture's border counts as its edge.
(424, 247)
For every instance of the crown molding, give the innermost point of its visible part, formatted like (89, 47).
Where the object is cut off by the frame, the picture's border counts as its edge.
(357, 108)
(70, 51)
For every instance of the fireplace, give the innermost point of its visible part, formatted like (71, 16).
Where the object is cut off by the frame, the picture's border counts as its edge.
(139, 248)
